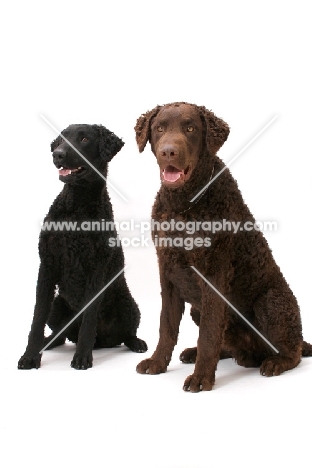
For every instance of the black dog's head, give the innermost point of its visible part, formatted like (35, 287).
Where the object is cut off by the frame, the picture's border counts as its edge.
(82, 151)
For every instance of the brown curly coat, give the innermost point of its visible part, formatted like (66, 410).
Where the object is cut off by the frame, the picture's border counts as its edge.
(185, 139)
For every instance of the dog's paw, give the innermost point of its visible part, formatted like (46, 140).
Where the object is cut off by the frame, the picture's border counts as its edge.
(274, 365)
(29, 362)
(136, 344)
(82, 361)
(151, 366)
(188, 356)
(196, 383)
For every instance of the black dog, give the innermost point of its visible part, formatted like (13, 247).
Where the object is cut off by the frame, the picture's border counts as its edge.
(77, 264)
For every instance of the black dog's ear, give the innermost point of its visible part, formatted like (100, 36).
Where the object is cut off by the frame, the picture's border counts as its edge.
(143, 128)
(217, 130)
(55, 143)
(109, 143)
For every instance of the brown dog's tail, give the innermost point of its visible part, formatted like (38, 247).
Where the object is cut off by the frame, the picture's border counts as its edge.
(306, 349)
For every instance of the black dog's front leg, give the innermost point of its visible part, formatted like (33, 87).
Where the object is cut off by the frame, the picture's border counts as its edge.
(83, 356)
(44, 296)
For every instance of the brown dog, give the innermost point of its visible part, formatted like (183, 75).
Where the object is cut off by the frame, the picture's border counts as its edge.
(235, 272)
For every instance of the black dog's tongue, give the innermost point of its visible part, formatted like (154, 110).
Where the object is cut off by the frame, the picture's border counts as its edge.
(64, 172)
(171, 173)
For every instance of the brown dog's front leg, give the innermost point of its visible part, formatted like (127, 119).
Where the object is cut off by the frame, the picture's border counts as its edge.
(170, 317)
(211, 330)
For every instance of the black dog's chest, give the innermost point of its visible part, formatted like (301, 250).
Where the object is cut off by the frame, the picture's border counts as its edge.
(72, 250)
(73, 243)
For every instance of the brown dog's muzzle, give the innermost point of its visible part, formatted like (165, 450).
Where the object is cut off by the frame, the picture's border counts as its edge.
(169, 152)
(172, 160)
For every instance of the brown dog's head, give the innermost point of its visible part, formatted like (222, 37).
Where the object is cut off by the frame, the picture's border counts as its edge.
(179, 134)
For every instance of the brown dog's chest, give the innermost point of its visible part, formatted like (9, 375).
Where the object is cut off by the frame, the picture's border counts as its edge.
(176, 265)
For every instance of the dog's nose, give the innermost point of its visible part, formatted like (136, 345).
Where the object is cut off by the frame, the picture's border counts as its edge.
(58, 156)
(169, 152)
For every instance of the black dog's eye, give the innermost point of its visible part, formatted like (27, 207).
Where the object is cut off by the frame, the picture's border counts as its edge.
(160, 128)
(85, 140)
(190, 128)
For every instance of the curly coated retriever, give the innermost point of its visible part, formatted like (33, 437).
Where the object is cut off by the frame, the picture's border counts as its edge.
(232, 270)
(77, 263)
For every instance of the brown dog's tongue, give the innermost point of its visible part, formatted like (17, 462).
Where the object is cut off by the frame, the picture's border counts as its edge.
(171, 174)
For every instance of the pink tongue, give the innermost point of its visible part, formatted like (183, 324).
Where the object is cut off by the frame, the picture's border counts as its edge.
(64, 172)
(172, 176)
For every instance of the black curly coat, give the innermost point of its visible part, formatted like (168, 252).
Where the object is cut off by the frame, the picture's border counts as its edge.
(185, 139)
(77, 264)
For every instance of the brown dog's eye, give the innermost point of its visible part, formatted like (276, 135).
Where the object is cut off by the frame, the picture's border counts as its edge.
(85, 140)
(190, 128)
(159, 128)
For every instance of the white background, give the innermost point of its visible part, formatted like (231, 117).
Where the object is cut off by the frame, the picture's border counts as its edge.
(108, 62)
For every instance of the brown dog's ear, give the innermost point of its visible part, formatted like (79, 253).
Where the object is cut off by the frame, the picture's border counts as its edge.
(217, 130)
(143, 127)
